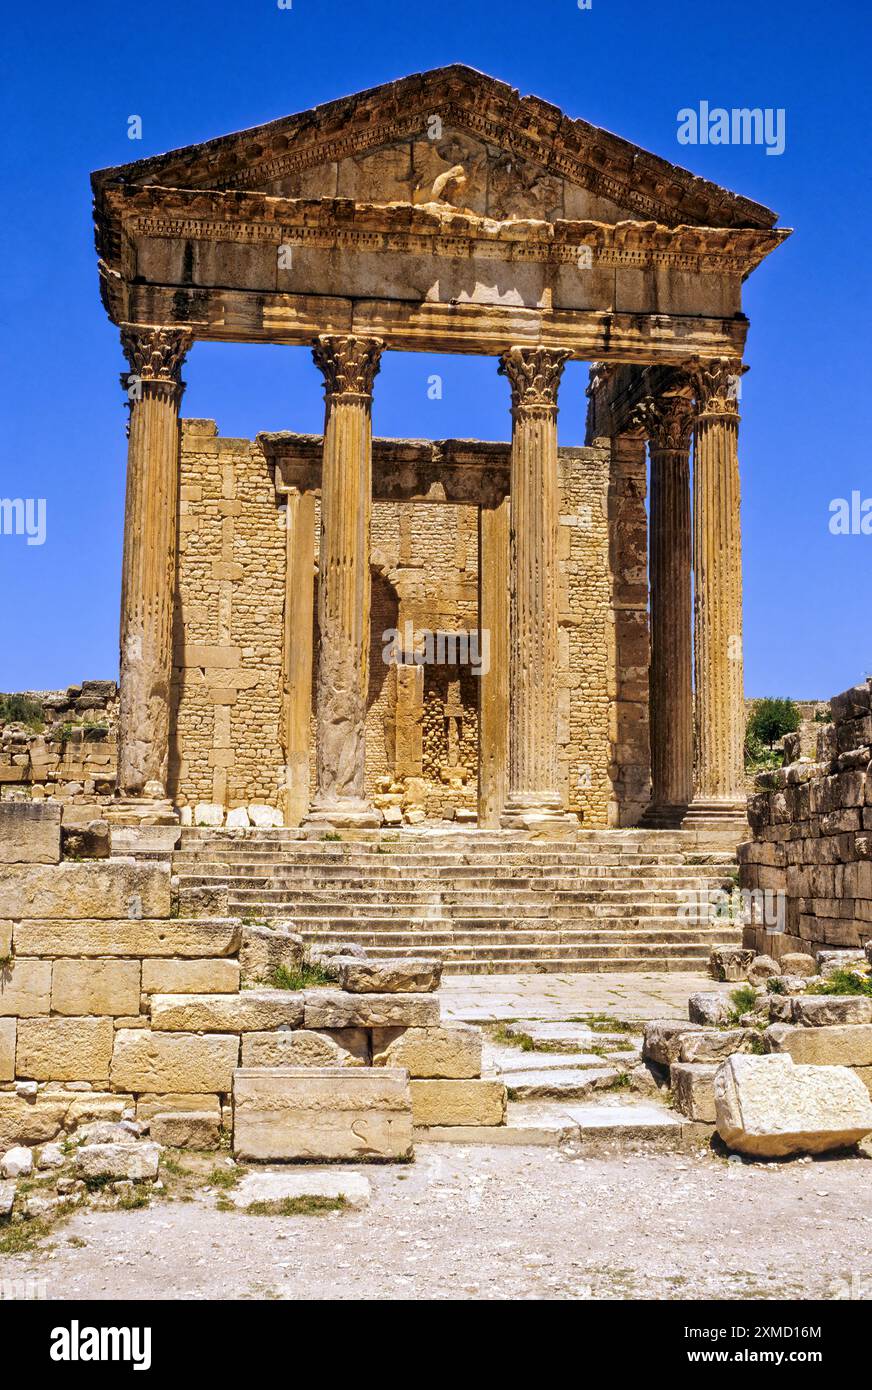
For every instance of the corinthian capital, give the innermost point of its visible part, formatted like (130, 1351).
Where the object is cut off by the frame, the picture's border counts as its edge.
(667, 421)
(716, 385)
(156, 354)
(350, 365)
(534, 376)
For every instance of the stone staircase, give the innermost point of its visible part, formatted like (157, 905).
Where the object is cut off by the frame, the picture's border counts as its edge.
(485, 902)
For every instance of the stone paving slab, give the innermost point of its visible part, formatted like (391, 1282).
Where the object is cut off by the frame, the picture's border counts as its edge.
(629, 997)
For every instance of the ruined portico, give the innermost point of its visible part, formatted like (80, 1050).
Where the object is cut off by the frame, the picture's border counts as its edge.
(444, 213)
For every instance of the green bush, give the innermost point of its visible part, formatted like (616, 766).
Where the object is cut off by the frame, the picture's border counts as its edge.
(18, 709)
(771, 719)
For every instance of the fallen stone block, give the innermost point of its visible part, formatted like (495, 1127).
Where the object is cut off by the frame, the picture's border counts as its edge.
(458, 1102)
(82, 987)
(798, 963)
(252, 1011)
(662, 1039)
(450, 1053)
(830, 961)
(7, 1197)
(730, 962)
(327, 1008)
(302, 1047)
(50, 1156)
(841, 1045)
(351, 1188)
(16, 1163)
(25, 987)
(30, 833)
(143, 1060)
(406, 976)
(820, 1010)
(761, 969)
(137, 1161)
(266, 949)
(693, 1086)
(219, 976)
(709, 1008)
(291, 1113)
(64, 1049)
(716, 1046)
(128, 937)
(70, 891)
(186, 1129)
(772, 1108)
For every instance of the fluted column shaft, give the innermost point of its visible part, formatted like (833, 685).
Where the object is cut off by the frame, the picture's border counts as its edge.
(149, 557)
(720, 702)
(534, 375)
(349, 365)
(669, 428)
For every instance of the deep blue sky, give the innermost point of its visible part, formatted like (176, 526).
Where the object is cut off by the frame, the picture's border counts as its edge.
(71, 77)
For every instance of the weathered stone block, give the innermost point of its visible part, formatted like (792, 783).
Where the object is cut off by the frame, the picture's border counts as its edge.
(187, 1129)
(761, 969)
(458, 1102)
(64, 1049)
(301, 1047)
(407, 976)
(771, 1107)
(30, 833)
(252, 1011)
(30, 1121)
(137, 1161)
(150, 1105)
(25, 988)
(90, 841)
(819, 1010)
(841, 1045)
(328, 1008)
(127, 937)
(662, 1039)
(730, 962)
(693, 1086)
(707, 1008)
(288, 1113)
(70, 891)
(268, 948)
(716, 1045)
(448, 1053)
(166, 1062)
(7, 1049)
(190, 976)
(95, 987)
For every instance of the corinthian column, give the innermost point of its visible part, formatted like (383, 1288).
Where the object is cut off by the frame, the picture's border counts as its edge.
(534, 375)
(717, 543)
(349, 366)
(154, 389)
(668, 423)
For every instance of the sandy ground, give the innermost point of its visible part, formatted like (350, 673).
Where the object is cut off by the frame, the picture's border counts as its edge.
(490, 1223)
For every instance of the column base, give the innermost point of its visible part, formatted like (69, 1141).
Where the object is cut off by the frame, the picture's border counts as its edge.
(141, 810)
(345, 815)
(665, 817)
(716, 814)
(545, 817)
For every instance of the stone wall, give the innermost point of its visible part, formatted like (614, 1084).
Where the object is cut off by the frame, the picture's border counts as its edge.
(811, 823)
(67, 751)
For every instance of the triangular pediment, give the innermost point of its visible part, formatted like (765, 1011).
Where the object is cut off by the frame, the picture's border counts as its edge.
(452, 136)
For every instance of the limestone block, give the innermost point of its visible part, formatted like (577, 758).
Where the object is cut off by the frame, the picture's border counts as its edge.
(266, 817)
(190, 976)
(730, 962)
(137, 1161)
(266, 949)
(819, 1010)
(693, 1086)
(662, 1039)
(186, 1129)
(301, 1047)
(237, 819)
(329, 1008)
(207, 813)
(709, 1008)
(458, 1102)
(150, 1105)
(30, 833)
(451, 1053)
(166, 1062)
(252, 1011)
(761, 969)
(5, 940)
(36, 1121)
(70, 891)
(798, 963)
(403, 976)
(89, 841)
(715, 1045)
(64, 1049)
(7, 1049)
(321, 1113)
(16, 1163)
(7, 1197)
(353, 1188)
(176, 936)
(843, 1045)
(95, 987)
(25, 987)
(771, 1107)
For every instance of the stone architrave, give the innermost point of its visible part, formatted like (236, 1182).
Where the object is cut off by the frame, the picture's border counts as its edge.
(154, 388)
(349, 365)
(534, 375)
(717, 545)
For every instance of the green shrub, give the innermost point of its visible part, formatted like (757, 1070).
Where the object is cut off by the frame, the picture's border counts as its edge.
(18, 709)
(771, 719)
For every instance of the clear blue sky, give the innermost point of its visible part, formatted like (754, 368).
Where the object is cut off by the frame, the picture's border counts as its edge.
(71, 77)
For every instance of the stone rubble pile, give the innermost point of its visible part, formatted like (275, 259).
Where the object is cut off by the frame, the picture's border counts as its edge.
(69, 753)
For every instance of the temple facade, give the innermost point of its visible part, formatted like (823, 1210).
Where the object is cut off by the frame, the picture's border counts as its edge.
(354, 630)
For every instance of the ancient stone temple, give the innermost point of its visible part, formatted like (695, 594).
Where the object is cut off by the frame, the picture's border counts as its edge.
(348, 630)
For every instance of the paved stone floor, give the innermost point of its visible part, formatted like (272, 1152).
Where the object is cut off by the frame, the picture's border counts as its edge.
(496, 998)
